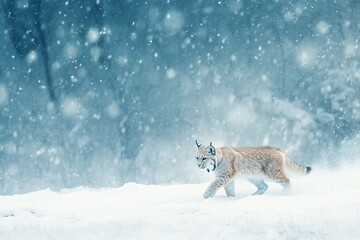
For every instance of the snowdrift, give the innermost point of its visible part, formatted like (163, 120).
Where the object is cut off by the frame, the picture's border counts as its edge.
(324, 205)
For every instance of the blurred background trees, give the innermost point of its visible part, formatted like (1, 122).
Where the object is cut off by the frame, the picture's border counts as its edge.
(100, 92)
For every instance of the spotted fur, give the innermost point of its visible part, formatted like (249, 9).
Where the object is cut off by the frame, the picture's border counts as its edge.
(253, 163)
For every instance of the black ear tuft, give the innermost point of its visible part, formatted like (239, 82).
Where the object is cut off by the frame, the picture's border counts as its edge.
(197, 144)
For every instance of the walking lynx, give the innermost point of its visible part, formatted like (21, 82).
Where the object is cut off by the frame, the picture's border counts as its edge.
(254, 163)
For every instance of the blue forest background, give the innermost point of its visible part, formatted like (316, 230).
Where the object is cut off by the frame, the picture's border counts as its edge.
(101, 92)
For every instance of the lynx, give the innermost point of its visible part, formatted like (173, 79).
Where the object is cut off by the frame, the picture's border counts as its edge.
(253, 163)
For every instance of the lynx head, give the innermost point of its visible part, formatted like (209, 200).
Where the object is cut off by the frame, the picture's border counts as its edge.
(206, 157)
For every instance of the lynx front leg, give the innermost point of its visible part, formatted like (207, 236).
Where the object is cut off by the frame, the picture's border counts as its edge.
(230, 189)
(214, 186)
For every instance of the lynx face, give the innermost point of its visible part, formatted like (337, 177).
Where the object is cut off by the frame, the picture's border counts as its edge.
(206, 158)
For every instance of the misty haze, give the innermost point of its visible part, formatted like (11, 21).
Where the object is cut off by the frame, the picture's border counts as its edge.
(103, 99)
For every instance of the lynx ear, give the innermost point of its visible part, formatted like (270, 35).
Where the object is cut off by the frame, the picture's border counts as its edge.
(211, 149)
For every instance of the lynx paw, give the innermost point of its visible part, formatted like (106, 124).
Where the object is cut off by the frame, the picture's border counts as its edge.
(208, 194)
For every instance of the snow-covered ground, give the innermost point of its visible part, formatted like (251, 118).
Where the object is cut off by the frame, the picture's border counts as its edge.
(323, 205)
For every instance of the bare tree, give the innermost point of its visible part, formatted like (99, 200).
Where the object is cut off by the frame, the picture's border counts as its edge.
(27, 32)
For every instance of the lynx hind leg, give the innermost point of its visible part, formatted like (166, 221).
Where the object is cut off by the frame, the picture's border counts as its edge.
(280, 178)
(230, 189)
(260, 185)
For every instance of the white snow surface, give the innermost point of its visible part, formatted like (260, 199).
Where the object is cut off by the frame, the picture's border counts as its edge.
(323, 205)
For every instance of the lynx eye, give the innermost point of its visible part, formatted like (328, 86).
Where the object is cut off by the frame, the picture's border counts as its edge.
(197, 158)
(203, 159)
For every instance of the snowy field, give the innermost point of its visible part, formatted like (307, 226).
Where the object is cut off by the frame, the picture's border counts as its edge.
(324, 205)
